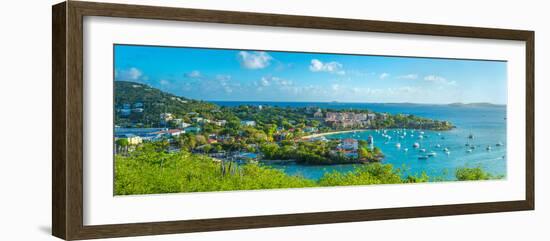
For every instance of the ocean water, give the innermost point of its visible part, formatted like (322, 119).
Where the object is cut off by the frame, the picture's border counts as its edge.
(486, 123)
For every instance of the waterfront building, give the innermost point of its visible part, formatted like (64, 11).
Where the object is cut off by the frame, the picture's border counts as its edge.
(132, 139)
(310, 129)
(350, 144)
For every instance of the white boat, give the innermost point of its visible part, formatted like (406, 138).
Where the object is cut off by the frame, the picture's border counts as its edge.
(445, 149)
(420, 137)
(448, 152)
(438, 145)
(469, 150)
(488, 148)
(398, 145)
(499, 144)
(406, 149)
(432, 154)
(422, 150)
(416, 145)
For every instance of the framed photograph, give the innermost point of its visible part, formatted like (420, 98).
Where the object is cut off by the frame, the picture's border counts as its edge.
(171, 120)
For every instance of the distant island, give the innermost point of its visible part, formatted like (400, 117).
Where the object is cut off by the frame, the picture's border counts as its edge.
(477, 104)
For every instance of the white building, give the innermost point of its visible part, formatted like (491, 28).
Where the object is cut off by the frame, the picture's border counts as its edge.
(183, 125)
(248, 123)
(220, 122)
(166, 117)
(350, 144)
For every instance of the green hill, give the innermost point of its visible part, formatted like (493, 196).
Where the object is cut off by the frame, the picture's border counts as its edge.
(141, 105)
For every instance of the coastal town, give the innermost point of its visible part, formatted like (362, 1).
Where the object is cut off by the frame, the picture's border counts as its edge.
(212, 143)
(251, 132)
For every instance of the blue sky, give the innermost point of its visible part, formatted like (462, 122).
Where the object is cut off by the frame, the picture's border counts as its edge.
(245, 75)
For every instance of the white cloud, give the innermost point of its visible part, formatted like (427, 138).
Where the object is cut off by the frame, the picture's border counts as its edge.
(275, 81)
(194, 74)
(254, 60)
(228, 89)
(222, 77)
(438, 80)
(408, 76)
(330, 67)
(264, 82)
(384, 75)
(130, 74)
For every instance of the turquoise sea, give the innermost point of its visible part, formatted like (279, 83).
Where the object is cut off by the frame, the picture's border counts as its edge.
(486, 123)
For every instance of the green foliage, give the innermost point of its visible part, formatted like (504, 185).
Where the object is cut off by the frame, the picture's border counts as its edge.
(312, 153)
(147, 171)
(154, 103)
(414, 179)
(123, 142)
(375, 173)
(472, 174)
(150, 170)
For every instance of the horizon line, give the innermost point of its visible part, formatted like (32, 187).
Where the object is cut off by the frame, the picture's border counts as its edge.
(356, 102)
(346, 102)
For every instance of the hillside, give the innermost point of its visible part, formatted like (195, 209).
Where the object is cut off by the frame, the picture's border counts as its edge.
(141, 105)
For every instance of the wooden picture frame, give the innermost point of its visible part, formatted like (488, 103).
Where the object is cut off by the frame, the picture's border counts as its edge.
(67, 124)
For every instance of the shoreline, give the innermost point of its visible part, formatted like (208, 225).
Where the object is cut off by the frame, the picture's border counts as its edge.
(330, 133)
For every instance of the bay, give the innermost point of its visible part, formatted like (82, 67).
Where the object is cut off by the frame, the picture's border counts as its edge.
(486, 123)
